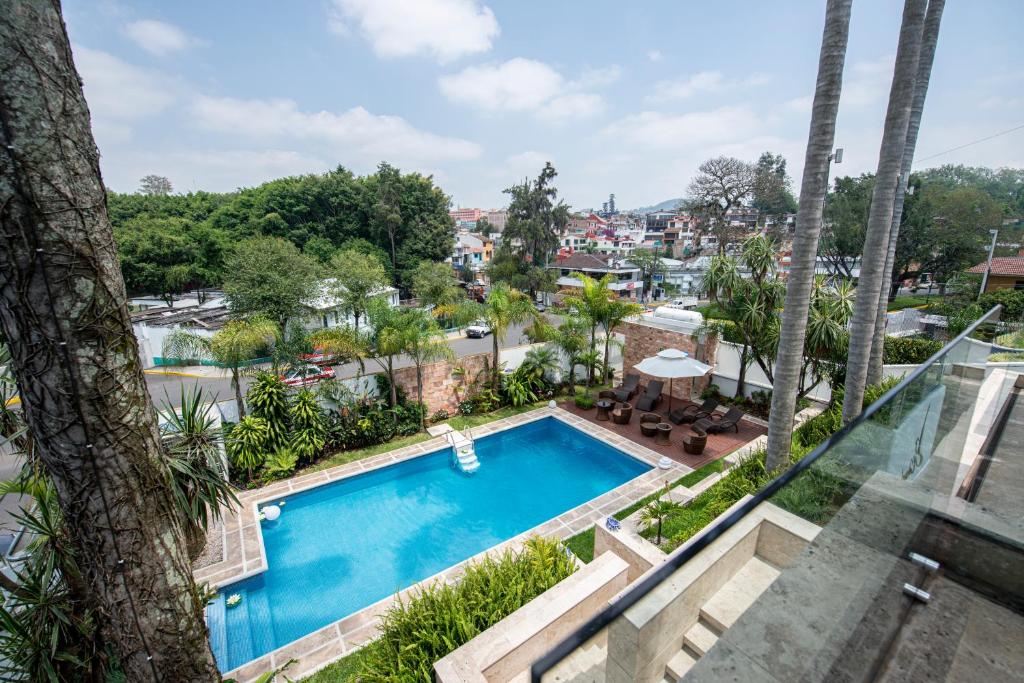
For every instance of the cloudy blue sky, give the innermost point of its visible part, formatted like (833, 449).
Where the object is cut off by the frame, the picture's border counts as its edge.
(622, 97)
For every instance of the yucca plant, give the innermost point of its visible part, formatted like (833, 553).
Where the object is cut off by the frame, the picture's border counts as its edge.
(248, 443)
(268, 399)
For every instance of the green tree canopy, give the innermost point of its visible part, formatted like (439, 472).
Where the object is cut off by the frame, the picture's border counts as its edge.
(357, 275)
(268, 276)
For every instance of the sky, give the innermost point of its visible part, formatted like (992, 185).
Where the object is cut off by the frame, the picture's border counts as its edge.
(624, 98)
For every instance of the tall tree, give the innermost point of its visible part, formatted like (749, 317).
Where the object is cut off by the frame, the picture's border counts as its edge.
(650, 264)
(424, 343)
(589, 303)
(534, 218)
(155, 186)
(504, 307)
(268, 276)
(793, 325)
(63, 310)
(357, 278)
(720, 184)
(876, 242)
(386, 214)
(929, 41)
(845, 216)
(616, 312)
(772, 195)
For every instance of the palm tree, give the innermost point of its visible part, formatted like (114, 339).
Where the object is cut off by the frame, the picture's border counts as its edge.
(820, 138)
(231, 347)
(616, 311)
(589, 304)
(883, 197)
(539, 363)
(657, 510)
(424, 343)
(571, 339)
(504, 306)
(929, 41)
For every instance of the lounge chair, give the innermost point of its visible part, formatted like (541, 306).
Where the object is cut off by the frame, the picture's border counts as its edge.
(629, 387)
(690, 414)
(622, 414)
(715, 425)
(649, 424)
(652, 395)
(606, 393)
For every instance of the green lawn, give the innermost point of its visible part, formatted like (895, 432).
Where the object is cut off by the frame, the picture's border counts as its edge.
(901, 302)
(582, 544)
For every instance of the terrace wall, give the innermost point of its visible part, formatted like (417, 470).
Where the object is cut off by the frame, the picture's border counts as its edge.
(643, 341)
(441, 389)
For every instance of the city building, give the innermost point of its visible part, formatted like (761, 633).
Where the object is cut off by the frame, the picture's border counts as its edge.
(472, 251)
(627, 284)
(1007, 272)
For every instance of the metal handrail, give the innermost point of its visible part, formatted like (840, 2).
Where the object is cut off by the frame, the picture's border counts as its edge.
(602, 619)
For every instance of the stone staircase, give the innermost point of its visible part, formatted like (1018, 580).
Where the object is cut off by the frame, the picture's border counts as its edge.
(719, 613)
(585, 665)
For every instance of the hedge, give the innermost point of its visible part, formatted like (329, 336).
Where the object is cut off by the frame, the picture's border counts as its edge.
(908, 350)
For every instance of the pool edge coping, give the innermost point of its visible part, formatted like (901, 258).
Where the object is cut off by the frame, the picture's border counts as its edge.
(337, 639)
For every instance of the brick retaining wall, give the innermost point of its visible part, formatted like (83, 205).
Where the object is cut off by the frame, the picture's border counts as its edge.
(440, 388)
(643, 341)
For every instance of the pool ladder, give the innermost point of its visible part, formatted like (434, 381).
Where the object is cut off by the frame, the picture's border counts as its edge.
(463, 451)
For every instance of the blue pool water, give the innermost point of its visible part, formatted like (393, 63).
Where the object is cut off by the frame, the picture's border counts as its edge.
(343, 546)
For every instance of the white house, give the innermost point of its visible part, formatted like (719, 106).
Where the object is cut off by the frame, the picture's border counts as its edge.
(326, 310)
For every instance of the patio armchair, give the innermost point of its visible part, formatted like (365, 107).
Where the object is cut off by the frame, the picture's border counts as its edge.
(606, 393)
(695, 442)
(716, 425)
(692, 413)
(622, 414)
(627, 389)
(649, 424)
(652, 395)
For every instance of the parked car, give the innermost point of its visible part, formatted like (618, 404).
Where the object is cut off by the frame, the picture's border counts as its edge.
(478, 329)
(303, 375)
(541, 308)
(318, 357)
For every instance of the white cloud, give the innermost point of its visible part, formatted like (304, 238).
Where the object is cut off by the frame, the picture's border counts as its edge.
(528, 85)
(158, 37)
(118, 91)
(694, 129)
(445, 29)
(354, 133)
(702, 82)
(654, 55)
(523, 165)
(867, 82)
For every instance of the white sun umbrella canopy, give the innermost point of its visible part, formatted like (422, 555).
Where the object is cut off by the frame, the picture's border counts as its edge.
(672, 364)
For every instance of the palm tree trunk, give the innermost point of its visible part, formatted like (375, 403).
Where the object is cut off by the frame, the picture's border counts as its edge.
(393, 392)
(876, 242)
(793, 327)
(929, 42)
(419, 393)
(604, 368)
(494, 361)
(64, 314)
(741, 379)
(236, 385)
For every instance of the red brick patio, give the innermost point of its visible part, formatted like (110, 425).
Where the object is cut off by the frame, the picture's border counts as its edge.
(718, 444)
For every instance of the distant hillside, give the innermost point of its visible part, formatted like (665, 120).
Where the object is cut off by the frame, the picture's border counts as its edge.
(666, 205)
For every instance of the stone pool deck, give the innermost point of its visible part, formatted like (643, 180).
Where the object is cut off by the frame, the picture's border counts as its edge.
(244, 555)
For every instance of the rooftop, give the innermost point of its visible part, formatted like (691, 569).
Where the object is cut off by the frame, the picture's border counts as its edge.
(1002, 265)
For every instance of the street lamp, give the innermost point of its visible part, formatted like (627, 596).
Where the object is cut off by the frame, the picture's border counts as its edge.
(988, 266)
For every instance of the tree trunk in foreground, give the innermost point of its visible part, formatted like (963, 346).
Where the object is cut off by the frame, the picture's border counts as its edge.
(876, 241)
(929, 42)
(793, 328)
(63, 310)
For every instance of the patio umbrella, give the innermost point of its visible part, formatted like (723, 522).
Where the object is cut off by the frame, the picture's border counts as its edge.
(672, 364)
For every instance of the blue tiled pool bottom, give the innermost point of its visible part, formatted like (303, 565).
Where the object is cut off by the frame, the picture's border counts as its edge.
(341, 547)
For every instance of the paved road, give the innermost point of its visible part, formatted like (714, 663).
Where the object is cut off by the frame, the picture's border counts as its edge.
(221, 387)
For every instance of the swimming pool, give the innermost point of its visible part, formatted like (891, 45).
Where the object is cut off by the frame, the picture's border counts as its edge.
(343, 546)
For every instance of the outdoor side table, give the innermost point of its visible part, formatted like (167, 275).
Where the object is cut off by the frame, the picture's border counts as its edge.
(603, 408)
(664, 429)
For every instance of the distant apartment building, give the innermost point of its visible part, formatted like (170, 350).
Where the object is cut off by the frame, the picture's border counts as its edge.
(657, 221)
(497, 218)
(472, 251)
(465, 215)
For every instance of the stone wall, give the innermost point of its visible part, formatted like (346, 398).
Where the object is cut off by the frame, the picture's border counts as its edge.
(440, 388)
(643, 341)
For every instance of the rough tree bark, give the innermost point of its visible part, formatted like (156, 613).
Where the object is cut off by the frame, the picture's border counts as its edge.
(876, 241)
(793, 328)
(63, 311)
(929, 42)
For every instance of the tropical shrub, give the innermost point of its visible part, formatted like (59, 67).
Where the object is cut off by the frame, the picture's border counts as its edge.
(438, 619)
(517, 388)
(268, 399)
(439, 415)
(309, 427)
(584, 402)
(466, 407)
(408, 418)
(280, 464)
(1012, 301)
(248, 443)
(908, 350)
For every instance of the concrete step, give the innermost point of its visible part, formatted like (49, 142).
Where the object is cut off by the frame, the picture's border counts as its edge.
(679, 665)
(586, 665)
(726, 606)
(700, 638)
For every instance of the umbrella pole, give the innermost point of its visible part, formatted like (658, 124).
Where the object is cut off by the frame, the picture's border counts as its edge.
(670, 380)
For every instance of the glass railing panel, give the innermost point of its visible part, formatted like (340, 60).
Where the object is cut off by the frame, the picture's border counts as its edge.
(814, 578)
